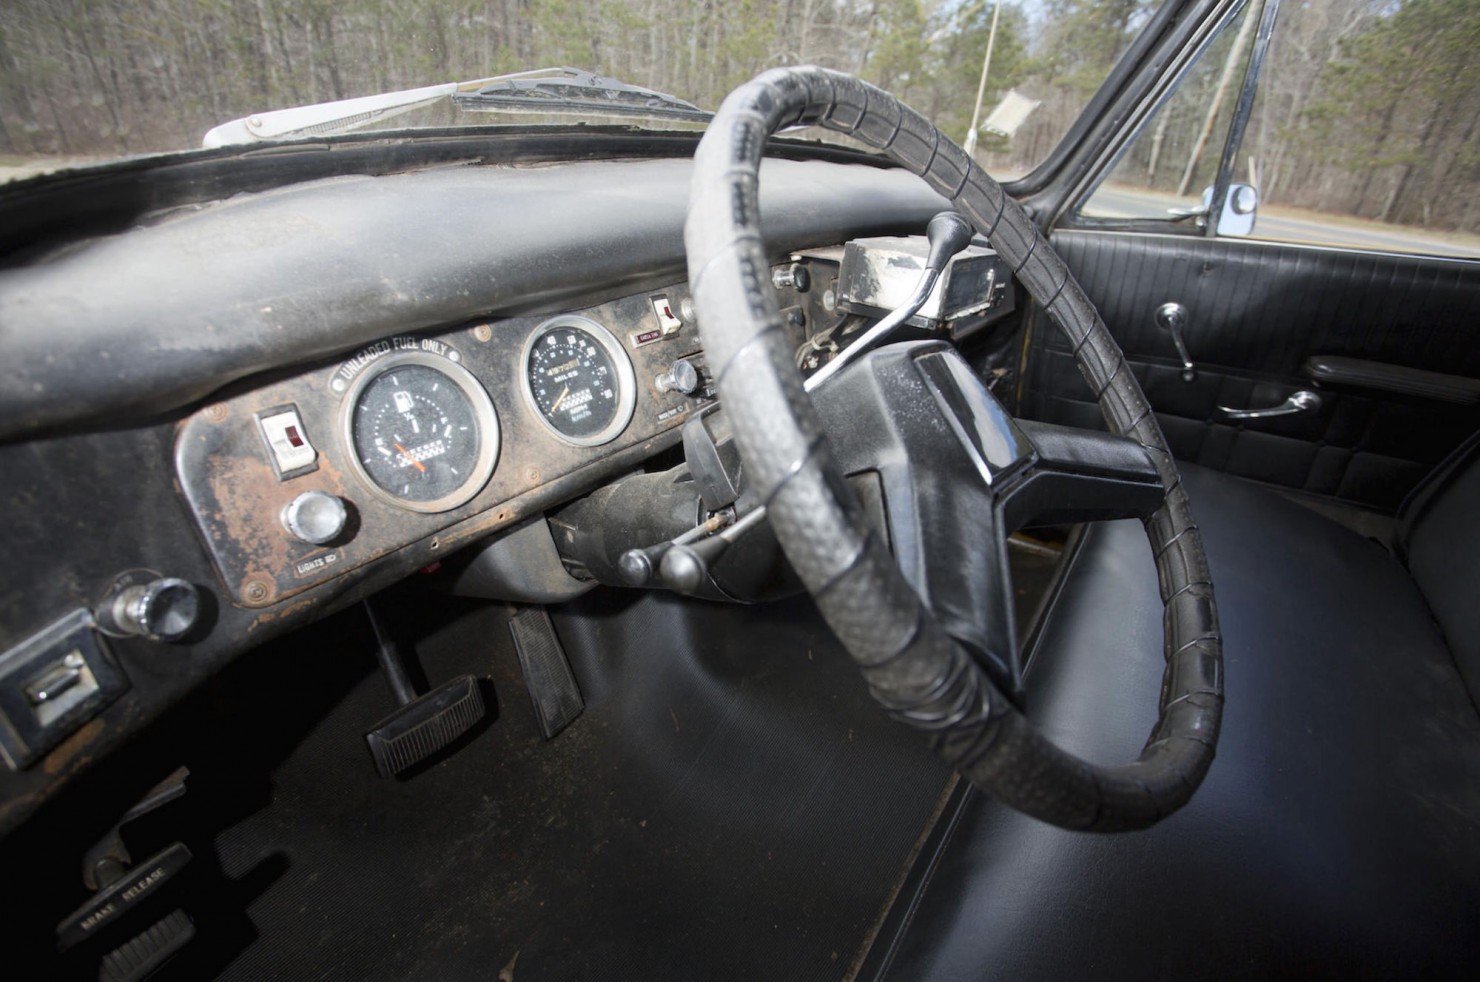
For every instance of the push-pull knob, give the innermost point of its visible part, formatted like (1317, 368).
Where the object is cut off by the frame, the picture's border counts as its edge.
(682, 376)
(316, 517)
(794, 276)
(162, 609)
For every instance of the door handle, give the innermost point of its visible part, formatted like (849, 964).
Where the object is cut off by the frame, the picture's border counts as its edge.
(1172, 318)
(1303, 401)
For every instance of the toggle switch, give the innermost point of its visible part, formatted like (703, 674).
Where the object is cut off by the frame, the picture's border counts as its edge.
(292, 453)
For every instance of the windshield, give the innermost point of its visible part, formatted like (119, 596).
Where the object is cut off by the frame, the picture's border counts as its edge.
(82, 81)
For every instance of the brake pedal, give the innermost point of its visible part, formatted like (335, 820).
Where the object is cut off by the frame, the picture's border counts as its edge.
(547, 675)
(424, 724)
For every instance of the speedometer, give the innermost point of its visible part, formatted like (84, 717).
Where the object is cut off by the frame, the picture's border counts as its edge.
(422, 431)
(579, 380)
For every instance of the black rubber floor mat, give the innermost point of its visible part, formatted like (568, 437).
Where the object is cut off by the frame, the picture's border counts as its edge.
(730, 805)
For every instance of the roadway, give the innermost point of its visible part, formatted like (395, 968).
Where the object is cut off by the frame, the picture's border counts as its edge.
(1120, 202)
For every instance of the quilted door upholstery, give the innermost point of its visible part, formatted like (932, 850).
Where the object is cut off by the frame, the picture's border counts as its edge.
(1257, 311)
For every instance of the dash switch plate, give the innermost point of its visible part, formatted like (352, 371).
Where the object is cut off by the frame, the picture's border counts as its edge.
(52, 683)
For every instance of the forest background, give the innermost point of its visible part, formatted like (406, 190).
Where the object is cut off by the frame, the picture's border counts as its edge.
(1367, 108)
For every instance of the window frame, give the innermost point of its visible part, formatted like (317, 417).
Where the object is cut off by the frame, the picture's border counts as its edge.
(1071, 214)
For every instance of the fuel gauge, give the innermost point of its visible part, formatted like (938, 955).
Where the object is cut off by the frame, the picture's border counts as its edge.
(422, 431)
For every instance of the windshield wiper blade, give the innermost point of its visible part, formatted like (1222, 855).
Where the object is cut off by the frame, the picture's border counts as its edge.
(573, 89)
(544, 90)
(324, 118)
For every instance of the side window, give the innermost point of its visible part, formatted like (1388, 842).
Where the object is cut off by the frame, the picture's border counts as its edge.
(1364, 132)
(1164, 172)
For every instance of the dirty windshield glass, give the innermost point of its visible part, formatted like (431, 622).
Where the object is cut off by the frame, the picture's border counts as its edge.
(83, 81)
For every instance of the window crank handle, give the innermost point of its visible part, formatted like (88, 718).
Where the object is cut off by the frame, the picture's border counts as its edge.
(1172, 318)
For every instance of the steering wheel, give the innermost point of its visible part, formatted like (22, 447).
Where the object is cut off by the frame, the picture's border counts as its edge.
(918, 669)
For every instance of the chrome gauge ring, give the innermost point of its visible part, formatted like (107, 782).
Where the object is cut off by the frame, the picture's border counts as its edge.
(421, 431)
(578, 380)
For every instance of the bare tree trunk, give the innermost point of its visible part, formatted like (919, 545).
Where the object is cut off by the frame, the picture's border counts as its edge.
(1157, 136)
(1230, 67)
(1384, 129)
(1407, 174)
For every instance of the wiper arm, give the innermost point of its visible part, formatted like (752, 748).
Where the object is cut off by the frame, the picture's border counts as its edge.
(565, 89)
(545, 90)
(324, 118)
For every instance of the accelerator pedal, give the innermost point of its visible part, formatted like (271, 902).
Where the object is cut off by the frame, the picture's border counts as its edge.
(424, 724)
(547, 675)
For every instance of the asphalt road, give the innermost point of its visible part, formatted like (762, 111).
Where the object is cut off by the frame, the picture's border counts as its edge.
(1122, 203)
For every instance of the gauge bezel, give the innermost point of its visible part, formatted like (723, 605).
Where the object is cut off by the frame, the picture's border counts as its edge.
(626, 379)
(489, 435)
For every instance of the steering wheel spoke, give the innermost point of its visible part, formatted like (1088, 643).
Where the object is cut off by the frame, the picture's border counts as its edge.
(956, 475)
(1080, 475)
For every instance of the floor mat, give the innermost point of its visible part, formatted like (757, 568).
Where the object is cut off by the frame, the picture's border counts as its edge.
(731, 804)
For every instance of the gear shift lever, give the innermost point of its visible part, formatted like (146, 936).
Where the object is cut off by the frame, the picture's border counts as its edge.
(948, 233)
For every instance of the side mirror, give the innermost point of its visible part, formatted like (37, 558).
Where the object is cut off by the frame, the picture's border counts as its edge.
(1238, 209)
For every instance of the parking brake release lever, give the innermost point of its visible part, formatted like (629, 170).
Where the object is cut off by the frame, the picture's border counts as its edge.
(948, 233)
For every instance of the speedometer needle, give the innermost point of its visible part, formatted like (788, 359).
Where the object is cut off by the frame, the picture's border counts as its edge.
(563, 393)
(410, 459)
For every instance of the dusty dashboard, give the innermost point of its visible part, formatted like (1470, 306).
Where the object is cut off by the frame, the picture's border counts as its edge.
(442, 437)
(428, 438)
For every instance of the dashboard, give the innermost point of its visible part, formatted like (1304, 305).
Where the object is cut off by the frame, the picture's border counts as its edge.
(434, 438)
(279, 395)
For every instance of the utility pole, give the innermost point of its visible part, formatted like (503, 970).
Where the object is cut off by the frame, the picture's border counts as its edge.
(981, 87)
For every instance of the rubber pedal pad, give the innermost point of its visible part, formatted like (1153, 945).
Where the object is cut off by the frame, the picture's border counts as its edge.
(141, 956)
(425, 725)
(547, 675)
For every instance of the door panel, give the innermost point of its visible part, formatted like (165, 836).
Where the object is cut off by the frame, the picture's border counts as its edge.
(1256, 312)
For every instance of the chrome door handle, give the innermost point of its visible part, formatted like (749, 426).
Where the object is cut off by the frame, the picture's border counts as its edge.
(1303, 401)
(1172, 318)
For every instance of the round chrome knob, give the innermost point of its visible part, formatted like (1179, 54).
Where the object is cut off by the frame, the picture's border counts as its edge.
(681, 376)
(316, 517)
(163, 610)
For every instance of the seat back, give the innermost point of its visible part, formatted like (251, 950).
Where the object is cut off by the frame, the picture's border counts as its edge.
(1440, 541)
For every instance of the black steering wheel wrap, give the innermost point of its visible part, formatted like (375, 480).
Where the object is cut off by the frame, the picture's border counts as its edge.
(914, 667)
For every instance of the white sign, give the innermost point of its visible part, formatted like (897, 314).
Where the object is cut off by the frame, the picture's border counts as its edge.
(1011, 113)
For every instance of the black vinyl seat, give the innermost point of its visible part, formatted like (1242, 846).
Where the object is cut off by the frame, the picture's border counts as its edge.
(1338, 832)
